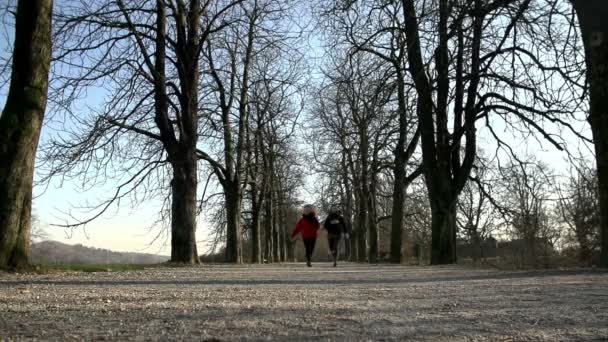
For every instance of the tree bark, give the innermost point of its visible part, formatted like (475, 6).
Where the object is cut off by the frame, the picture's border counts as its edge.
(354, 245)
(268, 228)
(364, 192)
(594, 28)
(444, 170)
(20, 126)
(276, 241)
(362, 229)
(443, 223)
(373, 224)
(256, 256)
(182, 152)
(233, 223)
(183, 213)
(476, 244)
(398, 203)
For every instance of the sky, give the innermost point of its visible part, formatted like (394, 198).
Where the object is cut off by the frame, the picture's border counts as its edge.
(132, 229)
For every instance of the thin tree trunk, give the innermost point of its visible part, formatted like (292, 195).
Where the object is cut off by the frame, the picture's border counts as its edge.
(476, 244)
(256, 256)
(373, 225)
(355, 227)
(364, 193)
(282, 222)
(276, 237)
(594, 27)
(348, 210)
(362, 229)
(20, 126)
(268, 228)
(397, 213)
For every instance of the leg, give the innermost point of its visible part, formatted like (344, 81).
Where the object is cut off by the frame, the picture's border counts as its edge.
(333, 247)
(310, 247)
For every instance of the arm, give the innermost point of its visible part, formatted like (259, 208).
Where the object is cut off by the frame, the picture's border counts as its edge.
(343, 224)
(297, 230)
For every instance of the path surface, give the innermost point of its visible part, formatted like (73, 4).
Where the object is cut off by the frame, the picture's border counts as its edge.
(292, 302)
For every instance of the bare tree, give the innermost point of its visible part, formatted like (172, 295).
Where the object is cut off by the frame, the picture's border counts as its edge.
(20, 126)
(383, 39)
(146, 135)
(262, 29)
(271, 165)
(526, 194)
(579, 210)
(355, 143)
(476, 216)
(462, 57)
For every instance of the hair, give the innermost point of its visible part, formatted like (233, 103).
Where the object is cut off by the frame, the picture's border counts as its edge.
(308, 209)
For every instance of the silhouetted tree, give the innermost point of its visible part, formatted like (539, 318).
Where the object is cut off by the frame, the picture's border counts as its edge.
(20, 126)
(594, 29)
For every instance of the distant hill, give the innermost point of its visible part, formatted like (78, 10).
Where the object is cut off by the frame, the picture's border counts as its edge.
(53, 252)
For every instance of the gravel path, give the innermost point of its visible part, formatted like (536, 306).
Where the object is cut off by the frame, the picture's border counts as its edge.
(292, 302)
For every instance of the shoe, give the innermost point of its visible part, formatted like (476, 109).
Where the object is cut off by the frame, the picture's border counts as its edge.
(308, 264)
(335, 264)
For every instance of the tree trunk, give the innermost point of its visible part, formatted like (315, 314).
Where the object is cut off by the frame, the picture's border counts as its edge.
(268, 228)
(373, 225)
(397, 213)
(256, 256)
(476, 244)
(443, 239)
(183, 212)
(348, 211)
(276, 241)
(354, 245)
(364, 193)
(233, 223)
(20, 126)
(399, 172)
(362, 230)
(283, 230)
(594, 27)
(585, 251)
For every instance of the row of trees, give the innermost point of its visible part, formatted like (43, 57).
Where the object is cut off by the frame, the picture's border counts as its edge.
(197, 90)
(181, 84)
(206, 89)
(450, 73)
(540, 210)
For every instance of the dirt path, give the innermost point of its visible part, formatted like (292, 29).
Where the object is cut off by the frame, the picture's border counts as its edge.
(292, 302)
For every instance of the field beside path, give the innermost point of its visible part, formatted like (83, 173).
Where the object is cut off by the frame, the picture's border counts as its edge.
(353, 302)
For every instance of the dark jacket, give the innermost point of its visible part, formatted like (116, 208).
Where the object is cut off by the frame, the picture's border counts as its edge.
(335, 224)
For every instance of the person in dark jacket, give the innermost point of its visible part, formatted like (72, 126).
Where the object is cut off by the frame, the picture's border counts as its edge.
(335, 226)
(308, 226)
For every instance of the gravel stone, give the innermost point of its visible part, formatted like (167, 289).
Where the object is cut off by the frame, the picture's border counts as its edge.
(353, 302)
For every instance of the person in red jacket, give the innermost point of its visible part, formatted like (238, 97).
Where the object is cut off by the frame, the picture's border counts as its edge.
(308, 226)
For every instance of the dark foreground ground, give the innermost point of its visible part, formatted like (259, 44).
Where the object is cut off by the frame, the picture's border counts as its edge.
(292, 302)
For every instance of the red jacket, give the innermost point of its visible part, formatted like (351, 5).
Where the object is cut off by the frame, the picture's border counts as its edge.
(307, 228)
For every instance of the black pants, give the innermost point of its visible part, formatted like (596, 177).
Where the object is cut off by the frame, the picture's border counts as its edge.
(334, 241)
(309, 244)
